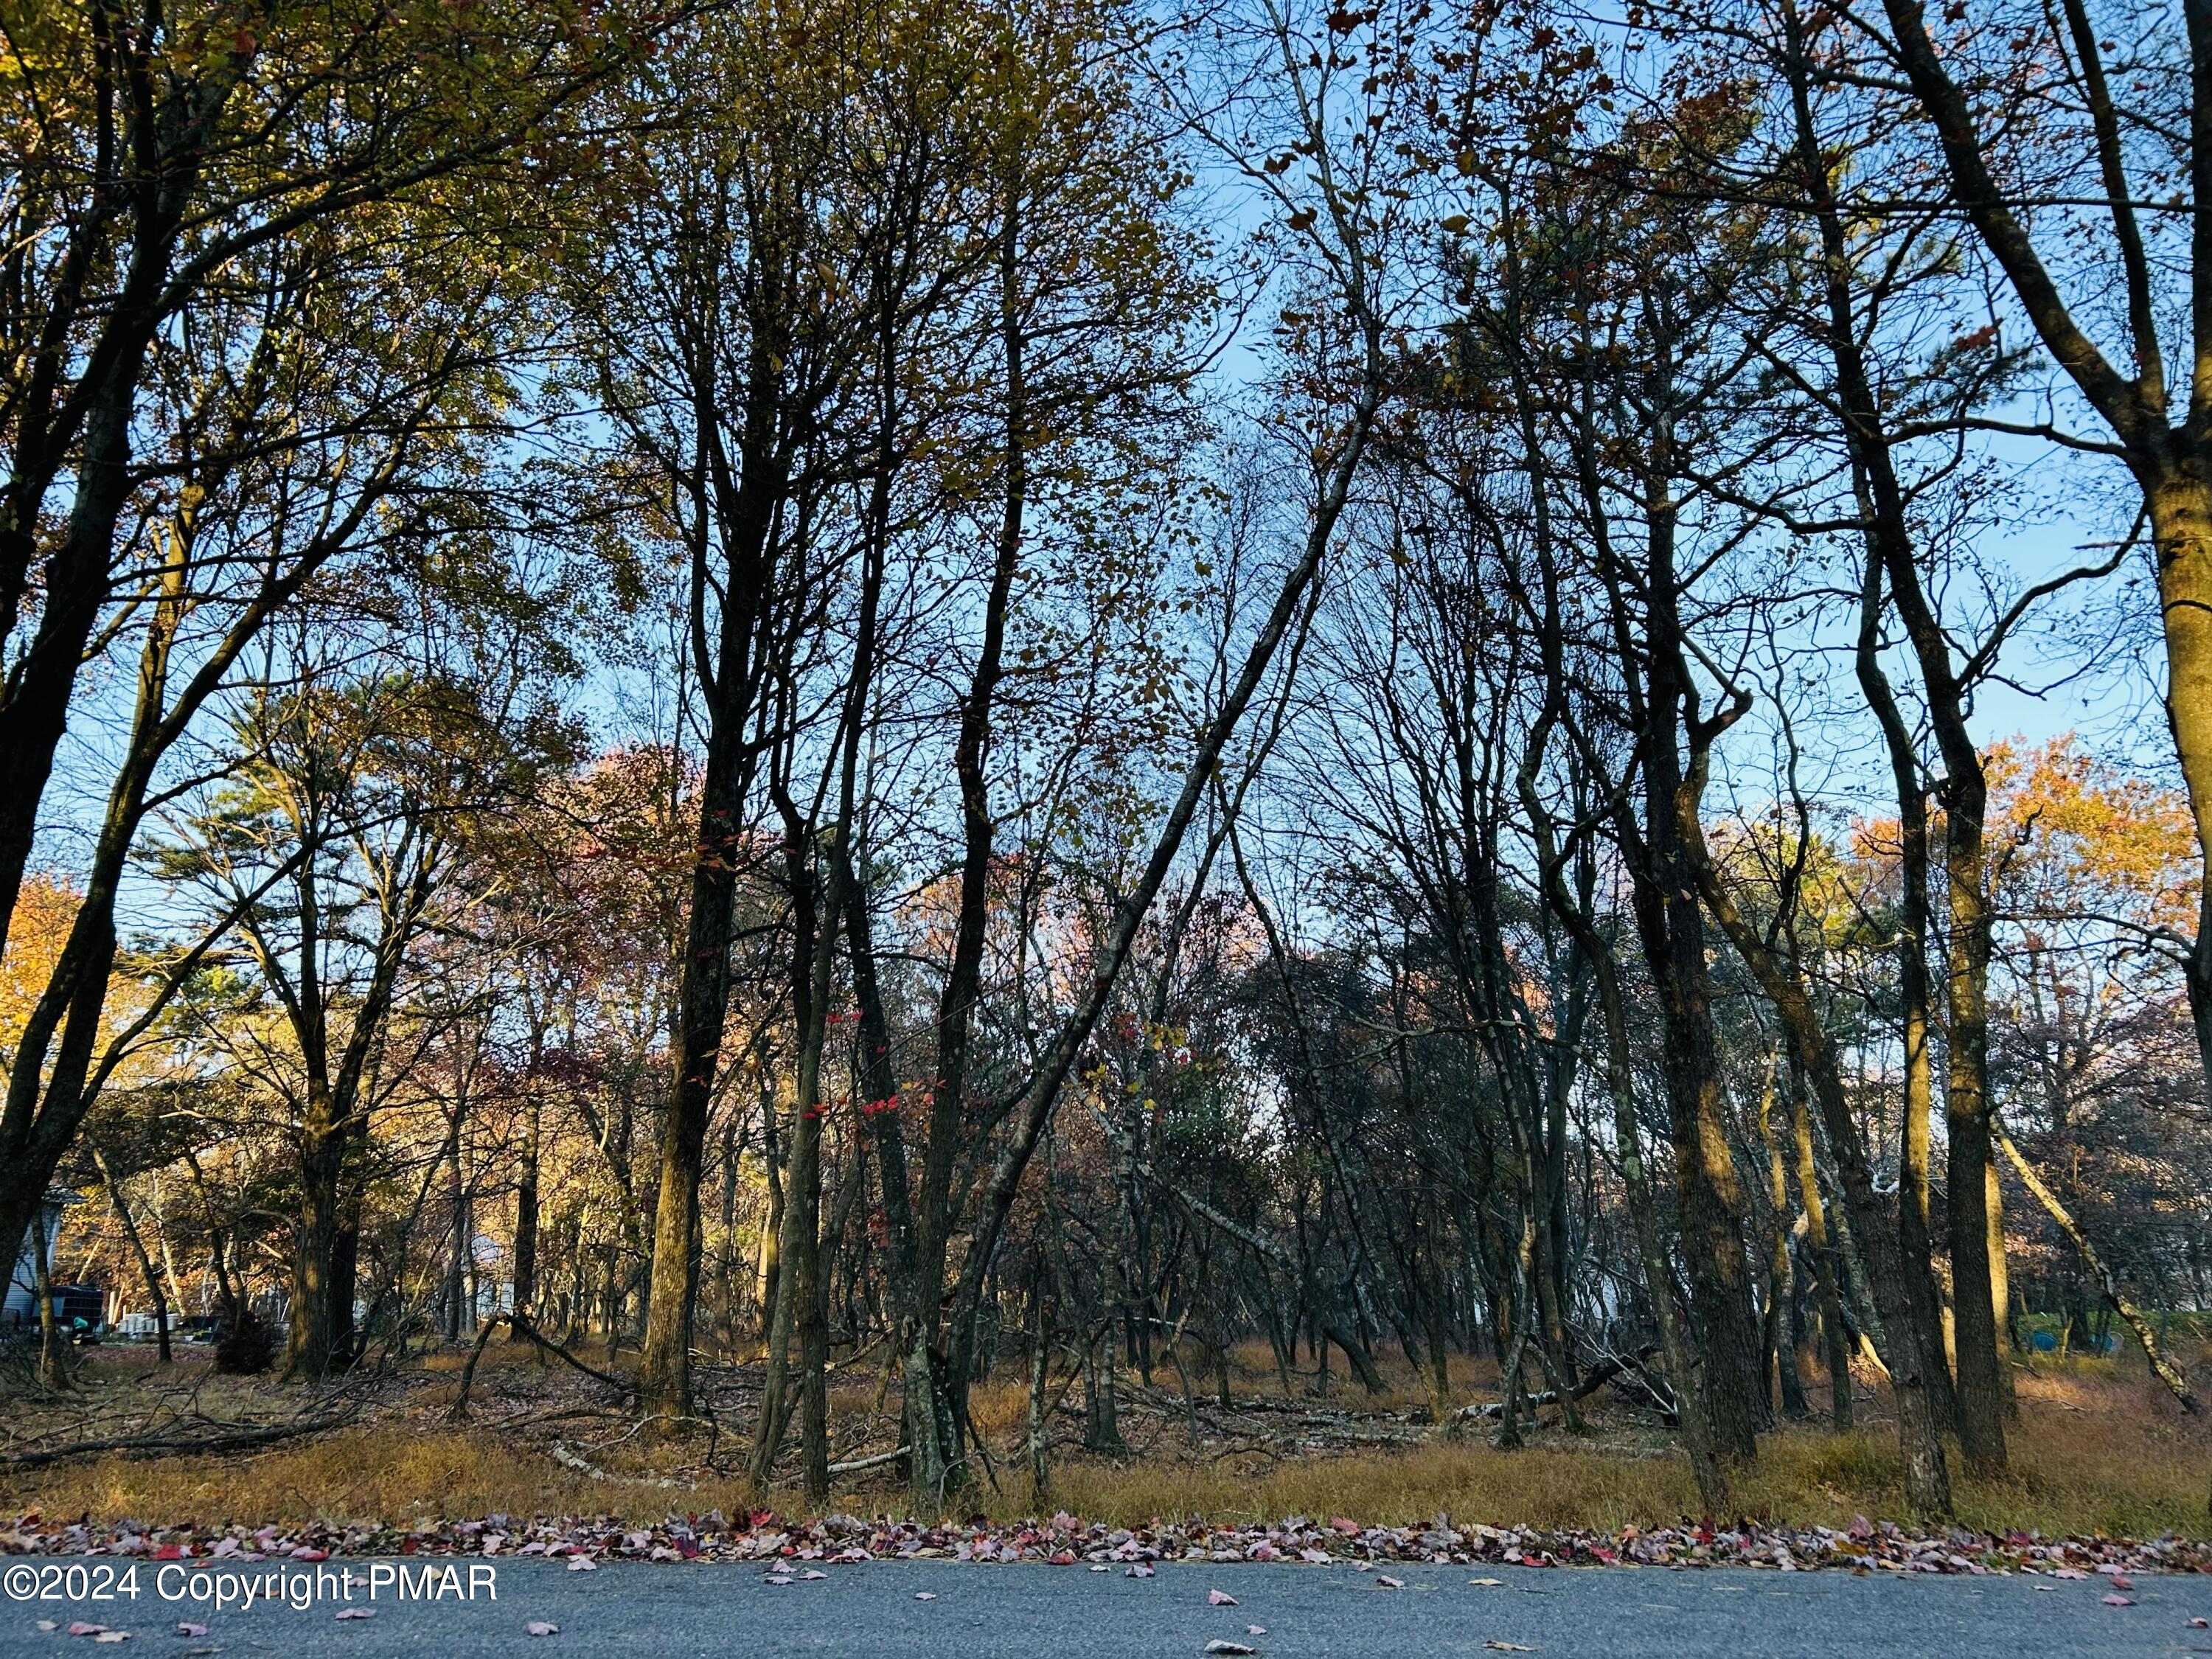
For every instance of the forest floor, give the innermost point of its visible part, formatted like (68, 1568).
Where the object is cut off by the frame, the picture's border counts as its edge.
(2097, 1450)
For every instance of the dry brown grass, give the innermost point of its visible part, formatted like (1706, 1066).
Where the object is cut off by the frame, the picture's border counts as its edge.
(391, 1474)
(2097, 1448)
(2111, 1466)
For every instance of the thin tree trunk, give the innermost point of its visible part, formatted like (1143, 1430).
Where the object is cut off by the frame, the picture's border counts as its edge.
(1781, 1289)
(52, 1372)
(137, 1243)
(1040, 1357)
(1827, 1266)
(525, 1217)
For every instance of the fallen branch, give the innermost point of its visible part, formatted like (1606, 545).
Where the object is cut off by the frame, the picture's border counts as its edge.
(236, 1439)
(522, 1327)
(2168, 1372)
(1594, 1379)
(875, 1461)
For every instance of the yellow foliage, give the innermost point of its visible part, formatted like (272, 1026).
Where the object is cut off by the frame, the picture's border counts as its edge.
(2084, 837)
(44, 908)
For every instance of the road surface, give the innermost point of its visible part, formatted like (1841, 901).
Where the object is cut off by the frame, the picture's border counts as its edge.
(935, 1610)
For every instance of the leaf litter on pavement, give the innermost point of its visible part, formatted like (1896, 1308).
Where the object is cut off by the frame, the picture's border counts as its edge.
(791, 1547)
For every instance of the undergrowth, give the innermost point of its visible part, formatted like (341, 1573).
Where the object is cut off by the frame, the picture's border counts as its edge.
(2095, 1449)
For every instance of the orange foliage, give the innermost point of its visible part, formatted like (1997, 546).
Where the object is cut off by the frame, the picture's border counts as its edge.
(2084, 836)
(45, 908)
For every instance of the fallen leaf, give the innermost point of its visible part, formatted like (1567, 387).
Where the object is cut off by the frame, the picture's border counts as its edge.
(2119, 1600)
(1388, 1582)
(1215, 1598)
(541, 1627)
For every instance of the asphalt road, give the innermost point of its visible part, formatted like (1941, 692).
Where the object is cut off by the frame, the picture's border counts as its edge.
(671, 1612)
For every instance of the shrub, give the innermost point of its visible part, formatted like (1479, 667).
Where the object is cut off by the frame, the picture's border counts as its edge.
(244, 1345)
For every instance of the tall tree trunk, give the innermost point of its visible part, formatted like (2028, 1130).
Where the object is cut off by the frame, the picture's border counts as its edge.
(2179, 500)
(53, 1372)
(1828, 1268)
(459, 1323)
(936, 1465)
(665, 1361)
(1920, 1431)
(744, 510)
(314, 1233)
(526, 1214)
(1574, 909)
(821, 889)
(1976, 1215)
(1672, 927)
(932, 1436)
(1781, 1289)
(1435, 1292)
(1040, 1366)
(1677, 1350)
(2171, 465)
(796, 1310)
(1916, 1237)
(43, 1106)
(1889, 552)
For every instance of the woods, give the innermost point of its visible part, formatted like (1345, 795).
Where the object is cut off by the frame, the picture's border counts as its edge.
(880, 696)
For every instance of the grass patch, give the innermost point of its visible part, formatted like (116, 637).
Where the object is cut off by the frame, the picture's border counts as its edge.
(2097, 1448)
(391, 1474)
(2067, 1476)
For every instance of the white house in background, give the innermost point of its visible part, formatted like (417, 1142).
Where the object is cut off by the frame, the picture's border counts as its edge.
(21, 1307)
